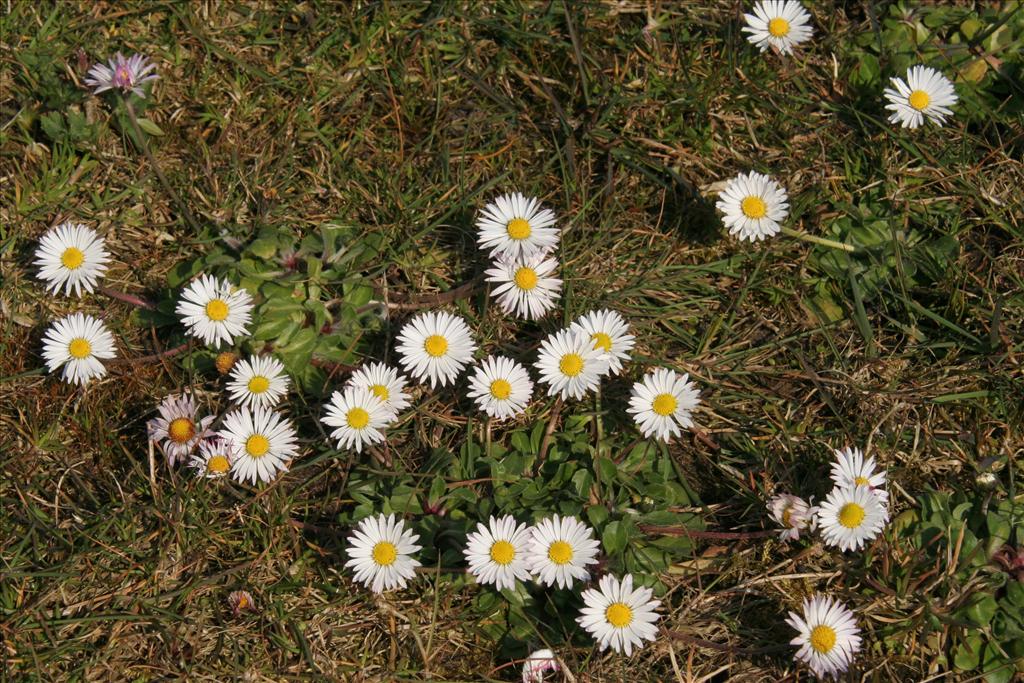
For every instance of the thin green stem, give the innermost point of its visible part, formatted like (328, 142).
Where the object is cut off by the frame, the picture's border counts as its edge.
(849, 248)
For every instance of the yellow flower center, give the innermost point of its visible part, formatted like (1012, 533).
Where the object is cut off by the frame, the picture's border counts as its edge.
(243, 602)
(571, 364)
(381, 391)
(503, 552)
(778, 27)
(526, 278)
(79, 348)
(259, 384)
(257, 445)
(823, 639)
(501, 389)
(664, 404)
(385, 553)
(518, 228)
(786, 514)
(753, 207)
(72, 258)
(181, 430)
(216, 310)
(218, 464)
(618, 615)
(861, 481)
(851, 515)
(436, 345)
(560, 552)
(919, 99)
(225, 361)
(602, 341)
(357, 418)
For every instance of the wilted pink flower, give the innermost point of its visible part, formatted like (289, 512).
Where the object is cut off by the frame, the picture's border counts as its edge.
(537, 664)
(241, 601)
(794, 514)
(125, 74)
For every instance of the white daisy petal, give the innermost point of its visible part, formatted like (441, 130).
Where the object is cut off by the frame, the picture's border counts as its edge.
(360, 417)
(828, 636)
(128, 75)
(214, 311)
(851, 469)
(662, 404)
(516, 227)
(497, 552)
(851, 516)
(178, 429)
(73, 256)
(926, 94)
(213, 460)
(618, 615)
(794, 514)
(435, 346)
(262, 443)
(570, 364)
(501, 387)
(610, 333)
(258, 381)
(525, 287)
(560, 549)
(779, 25)
(753, 206)
(379, 553)
(385, 383)
(78, 343)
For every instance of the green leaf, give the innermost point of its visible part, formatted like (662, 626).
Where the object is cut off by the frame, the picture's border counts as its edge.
(968, 655)
(149, 127)
(614, 537)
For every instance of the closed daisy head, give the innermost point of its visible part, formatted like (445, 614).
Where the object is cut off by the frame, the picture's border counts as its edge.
(359, 417)
(525, 287)
(435, 346)
(570, 364)
(126, 75)
(662, 404)
(213, 459)
(385, 383)
(926, 94)
(609, 332)
(258, 381)
(794, 514)
(619, 615)
(851, 469)
(778, 24)
(379, 553)
(753, 206)
(79, 343)
(262, 442)
(851, 516)
(71, 256)
(178, 428)
(496, 552)
(538, 664)
(215, 311)
(828, 636)
(500, 387)
(560, 550)
(516, 227)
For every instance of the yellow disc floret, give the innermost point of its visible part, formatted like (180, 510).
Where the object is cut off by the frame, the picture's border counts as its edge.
(851, 515)
(560, 552)
(502, 552)
(823, 639)
(518, 228)
(571, 364)
(602, 341)
(380, 391)
(218, 464)
(216, 310)
(436, 345)
(619, 614)
(501, 389)
(526, 278)
(79, 348)
(664, 404)
(181, 430)
(259, 384)
(385, 554)
(919, 99)
(72, 258)
(778, 27)
(357, 418)
(753, 207)
(257, 445)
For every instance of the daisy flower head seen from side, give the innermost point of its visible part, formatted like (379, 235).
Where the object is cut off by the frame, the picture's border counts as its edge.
(385, 383)
(794, 514)
(435, 346)
(379, 553)
(73, 256)
(925, 94)
(850, 516)
(525, 287)
(177, 428)
(753, 206)
(516, 227)
(261, 441)
(851, 469)
(560, 550)
(126, 75)
(539, 663)
(214, 311)
(79, 343)
(501, 387)
(496, 552)
(359, 417)
(618, 615)
(570, 364)
(778, 24)
(213, 460)
(258, 381)
(828, 636)
(662, 404)
(610, 333)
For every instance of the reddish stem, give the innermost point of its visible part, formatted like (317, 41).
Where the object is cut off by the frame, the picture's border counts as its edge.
(127, 298)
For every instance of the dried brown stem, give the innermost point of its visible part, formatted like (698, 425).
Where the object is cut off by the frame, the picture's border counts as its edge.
(694, 533)
(127, 298)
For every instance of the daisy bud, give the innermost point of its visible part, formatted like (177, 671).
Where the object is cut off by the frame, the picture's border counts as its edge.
(241, 601)
(225, 361)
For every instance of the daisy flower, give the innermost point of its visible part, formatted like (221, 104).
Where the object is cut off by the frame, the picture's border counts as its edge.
(435, 346)
(213, 459)
(829, 636)
(851, 516)
(126, 75)
(570, 364)
(78, 342)
(71, 255)
(258, 381)
(501, 387)
(262, 442)
(177, 429)
(662, 404)
(379, 551)
(537, 664)
(241, 601)
(359, 415)
(610, 333)
(778, 24)
(926, 94)
(385, 383)
(525, 287)
(753, 206)
(619, 615)
(516, 227)
(496, 552)
(851, 469)
(559, 551)
(794, 514)
(214, 311)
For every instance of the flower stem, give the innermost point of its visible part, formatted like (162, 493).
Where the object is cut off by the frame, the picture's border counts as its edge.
(849, 248)
(125, 297)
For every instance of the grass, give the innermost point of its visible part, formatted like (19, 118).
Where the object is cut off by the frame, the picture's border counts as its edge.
(395, 122)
